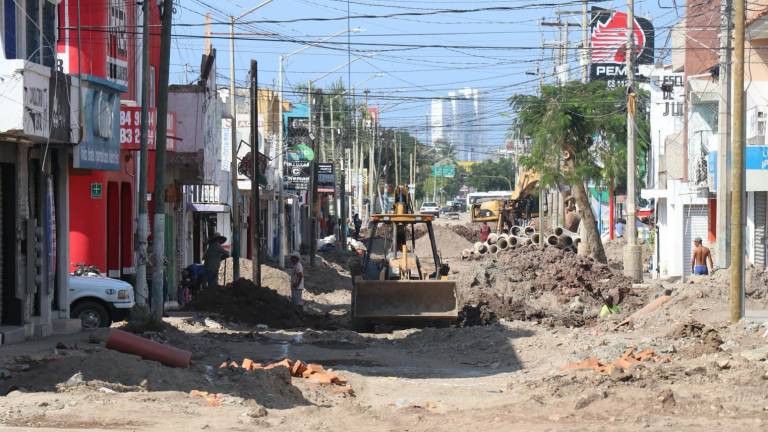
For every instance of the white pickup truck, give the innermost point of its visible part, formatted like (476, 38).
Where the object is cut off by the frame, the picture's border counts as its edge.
(98, 301)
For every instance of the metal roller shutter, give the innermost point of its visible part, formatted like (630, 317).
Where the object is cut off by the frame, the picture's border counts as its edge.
(760, 216)
(695, 225)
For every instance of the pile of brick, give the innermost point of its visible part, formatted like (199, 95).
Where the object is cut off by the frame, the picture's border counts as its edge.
(312, 372)
(628, 360)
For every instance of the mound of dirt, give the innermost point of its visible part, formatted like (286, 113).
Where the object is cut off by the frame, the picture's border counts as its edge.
(243, 302)
(449, 244)
(469, 232)
(124, 372)
(546, 285)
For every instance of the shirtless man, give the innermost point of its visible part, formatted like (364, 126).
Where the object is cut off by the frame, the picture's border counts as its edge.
(701, 256)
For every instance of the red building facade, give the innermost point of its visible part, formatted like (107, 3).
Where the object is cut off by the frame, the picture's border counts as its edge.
(106, 44)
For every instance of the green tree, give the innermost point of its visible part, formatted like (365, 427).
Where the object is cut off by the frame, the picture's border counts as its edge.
(492, 175)
(562, 122)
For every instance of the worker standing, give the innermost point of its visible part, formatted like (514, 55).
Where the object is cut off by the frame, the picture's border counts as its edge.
(297, 279)
(213, 256)
(485, 231)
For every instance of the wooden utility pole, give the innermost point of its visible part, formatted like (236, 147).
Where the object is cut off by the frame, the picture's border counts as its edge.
(142, 292)
(255, 175)
(161, 136)
(738, 180)
(633, 267)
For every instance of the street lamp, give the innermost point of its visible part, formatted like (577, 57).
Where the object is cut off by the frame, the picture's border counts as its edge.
(233, 131)
(283, 243)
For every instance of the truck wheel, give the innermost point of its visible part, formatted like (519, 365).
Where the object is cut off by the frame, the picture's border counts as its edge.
(92, 315)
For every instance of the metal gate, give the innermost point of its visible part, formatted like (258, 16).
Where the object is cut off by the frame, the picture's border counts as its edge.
(760, 221)
(695, 224)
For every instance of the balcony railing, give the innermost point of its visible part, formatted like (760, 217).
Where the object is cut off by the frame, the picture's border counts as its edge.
(202, 193)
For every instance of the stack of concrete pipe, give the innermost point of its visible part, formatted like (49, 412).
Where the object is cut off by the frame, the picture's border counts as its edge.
(520, 237)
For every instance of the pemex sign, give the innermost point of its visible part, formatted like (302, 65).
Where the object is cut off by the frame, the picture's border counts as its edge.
(609, 45)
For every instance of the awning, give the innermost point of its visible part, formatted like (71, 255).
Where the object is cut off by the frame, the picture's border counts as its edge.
(208, 208)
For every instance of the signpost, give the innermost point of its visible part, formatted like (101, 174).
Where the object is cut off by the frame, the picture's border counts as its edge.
(326, 179)
(444, 171)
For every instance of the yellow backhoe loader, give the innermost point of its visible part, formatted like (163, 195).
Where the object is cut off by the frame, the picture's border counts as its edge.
(393, 286)
(518, 209)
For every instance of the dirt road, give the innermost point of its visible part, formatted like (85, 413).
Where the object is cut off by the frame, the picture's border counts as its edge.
(509, 375)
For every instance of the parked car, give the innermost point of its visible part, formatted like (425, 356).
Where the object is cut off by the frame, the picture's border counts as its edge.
(430, 208)
(98, 301)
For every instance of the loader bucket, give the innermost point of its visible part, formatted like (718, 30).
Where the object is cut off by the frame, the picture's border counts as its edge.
(395, 300)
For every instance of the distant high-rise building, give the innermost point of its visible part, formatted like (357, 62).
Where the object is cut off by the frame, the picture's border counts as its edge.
(459, 119)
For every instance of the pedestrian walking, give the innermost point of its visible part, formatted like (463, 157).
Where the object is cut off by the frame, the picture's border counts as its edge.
(701, 257)
(358, 224)
(297, 279)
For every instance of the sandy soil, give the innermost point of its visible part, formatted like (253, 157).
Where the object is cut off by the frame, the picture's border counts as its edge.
(508, 375)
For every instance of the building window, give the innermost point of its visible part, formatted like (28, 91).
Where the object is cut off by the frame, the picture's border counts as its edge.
(117, 49)
(49, 33)
(33, 31)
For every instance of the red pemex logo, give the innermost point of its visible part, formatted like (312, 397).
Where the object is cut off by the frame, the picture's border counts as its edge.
(609, 39)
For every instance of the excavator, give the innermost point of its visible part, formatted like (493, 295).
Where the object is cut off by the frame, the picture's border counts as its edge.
(392, 285)
(521, 206)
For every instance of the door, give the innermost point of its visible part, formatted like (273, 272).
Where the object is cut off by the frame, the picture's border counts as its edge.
(761, 202)
(10, 306)
(695, 225)
(113, 230)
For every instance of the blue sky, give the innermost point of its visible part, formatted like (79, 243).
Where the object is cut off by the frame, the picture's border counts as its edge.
(413, 74)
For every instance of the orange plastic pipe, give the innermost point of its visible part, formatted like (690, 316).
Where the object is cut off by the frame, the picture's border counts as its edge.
(147, 349)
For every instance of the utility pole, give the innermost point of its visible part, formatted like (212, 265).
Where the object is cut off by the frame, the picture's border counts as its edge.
(314, 205)
(723, 156)
(255, 174)
(584, 41)
(738, 180)
(397, 161)
(233, 164)
(161, 136)
(142, 292)
(633, 267)
(371, 180)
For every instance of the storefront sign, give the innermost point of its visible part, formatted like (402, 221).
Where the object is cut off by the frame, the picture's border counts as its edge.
(130, 129)
(36, 103)
(59, 86)
(100, 147)
(609, 45)
(756, 164)
(326, 180)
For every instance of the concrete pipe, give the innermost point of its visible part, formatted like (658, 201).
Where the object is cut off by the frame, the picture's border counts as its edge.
(492, 249)
(516, 230)
(565, 241)
(503, 242)
(492, 237)
(498, 254)
(522, 241)
(529, 231)
(481, 248)
(552, 240)
(536, 238)
(562, 231)
(576, 242)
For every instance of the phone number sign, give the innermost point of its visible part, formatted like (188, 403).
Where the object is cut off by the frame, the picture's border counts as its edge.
(130, 129)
